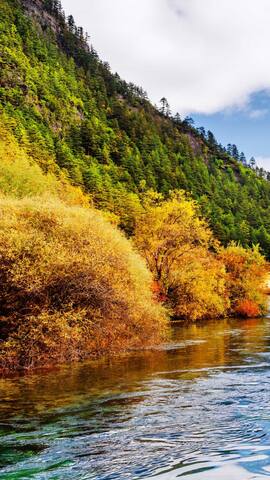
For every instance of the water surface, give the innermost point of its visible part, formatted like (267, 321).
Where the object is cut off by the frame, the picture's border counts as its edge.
(197, 408)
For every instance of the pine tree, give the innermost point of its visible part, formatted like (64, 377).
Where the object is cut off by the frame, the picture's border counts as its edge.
(252, 163)
(229, 149)
(211, 139)
(242, 158)
(202, 132)
(71, 23)
(235, 152)
(165, 107)
(177, 118)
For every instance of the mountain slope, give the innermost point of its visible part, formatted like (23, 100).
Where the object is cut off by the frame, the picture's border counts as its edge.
(74, 117)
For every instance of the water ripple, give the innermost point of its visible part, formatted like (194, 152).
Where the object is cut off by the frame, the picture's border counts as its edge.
(198, 409)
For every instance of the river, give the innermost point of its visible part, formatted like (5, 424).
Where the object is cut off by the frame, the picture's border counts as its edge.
(197, 408)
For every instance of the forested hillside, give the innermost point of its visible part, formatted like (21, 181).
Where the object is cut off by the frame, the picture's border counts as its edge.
(70, 113)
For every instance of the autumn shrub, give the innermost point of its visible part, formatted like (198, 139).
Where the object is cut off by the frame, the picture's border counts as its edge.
(71, 286)
(169, 230)
(200, 290)
(247, 308)
(176, 243)
(246, 271)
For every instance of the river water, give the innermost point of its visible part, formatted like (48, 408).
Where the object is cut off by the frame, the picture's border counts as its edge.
(197, 408)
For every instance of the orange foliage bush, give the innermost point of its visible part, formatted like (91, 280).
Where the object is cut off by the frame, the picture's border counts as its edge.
(246, 271)
(247, 308)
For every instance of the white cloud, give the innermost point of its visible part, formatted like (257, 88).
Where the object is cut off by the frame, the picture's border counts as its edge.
(263, 162)
(203, 55)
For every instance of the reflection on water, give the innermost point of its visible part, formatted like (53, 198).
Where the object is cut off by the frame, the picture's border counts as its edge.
(196, 408)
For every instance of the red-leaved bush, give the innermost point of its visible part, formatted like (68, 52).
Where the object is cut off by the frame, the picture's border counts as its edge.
(247, 308)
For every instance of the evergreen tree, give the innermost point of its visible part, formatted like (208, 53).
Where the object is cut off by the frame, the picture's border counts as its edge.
(235, 153)
(252, 163)
(71, 23)
(211, 139)
(177, 118)
(242, 158)
(229, 149)
(165, 107)
(202, 132)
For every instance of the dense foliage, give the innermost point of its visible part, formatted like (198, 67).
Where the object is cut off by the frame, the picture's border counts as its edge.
(195, 276)
(71, 286)
(246, 271)
(21, 176)
(73, 115)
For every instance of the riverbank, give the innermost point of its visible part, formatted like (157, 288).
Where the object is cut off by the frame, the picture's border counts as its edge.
(73, 287)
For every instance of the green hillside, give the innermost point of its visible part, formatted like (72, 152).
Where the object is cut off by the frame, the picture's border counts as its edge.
(76, 119)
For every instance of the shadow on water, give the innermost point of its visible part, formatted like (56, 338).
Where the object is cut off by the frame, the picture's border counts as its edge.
(195, 408)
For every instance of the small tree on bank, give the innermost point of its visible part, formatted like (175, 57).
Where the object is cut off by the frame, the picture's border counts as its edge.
(175, 242)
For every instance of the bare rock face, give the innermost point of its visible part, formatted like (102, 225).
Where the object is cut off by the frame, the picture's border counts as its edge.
(36, 9)
(56, 22)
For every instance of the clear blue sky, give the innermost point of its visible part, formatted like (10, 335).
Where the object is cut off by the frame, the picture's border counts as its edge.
(248, 128)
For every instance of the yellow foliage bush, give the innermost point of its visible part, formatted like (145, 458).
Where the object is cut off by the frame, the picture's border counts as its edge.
(246, 271)
(71, 286)
(169, 231)
(200, 290)
(175, 242)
